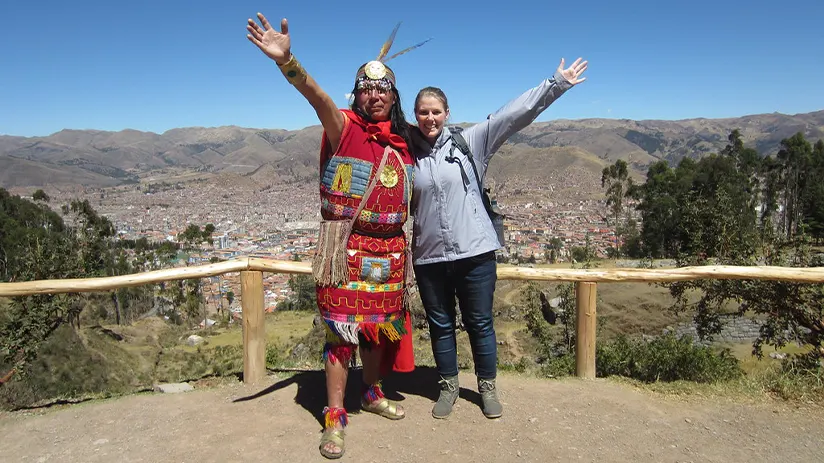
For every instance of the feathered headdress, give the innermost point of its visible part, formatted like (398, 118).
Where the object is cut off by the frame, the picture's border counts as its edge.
(376, 69)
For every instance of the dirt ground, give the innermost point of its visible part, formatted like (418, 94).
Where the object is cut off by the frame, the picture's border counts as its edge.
(544, 420)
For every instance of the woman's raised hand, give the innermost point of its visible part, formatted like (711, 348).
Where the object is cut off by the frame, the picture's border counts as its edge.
(573, 73)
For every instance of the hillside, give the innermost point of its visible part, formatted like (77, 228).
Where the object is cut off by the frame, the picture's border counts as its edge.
(98, 158)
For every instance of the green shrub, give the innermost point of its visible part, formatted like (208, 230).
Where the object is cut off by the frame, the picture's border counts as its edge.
(666, 358)
(227, 360)
(562, 365)
(274, 357)
(523, 365)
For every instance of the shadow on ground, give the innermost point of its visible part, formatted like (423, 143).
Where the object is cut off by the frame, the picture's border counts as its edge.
(311, 392)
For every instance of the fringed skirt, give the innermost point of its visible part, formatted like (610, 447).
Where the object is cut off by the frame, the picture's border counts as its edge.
(369, 308)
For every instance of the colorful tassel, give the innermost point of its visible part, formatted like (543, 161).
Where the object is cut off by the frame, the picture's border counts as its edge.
(347, 333)
(343, 353)
(335, 417)
(341, 332)
(370, 333)
(373, 393)
(393, 331)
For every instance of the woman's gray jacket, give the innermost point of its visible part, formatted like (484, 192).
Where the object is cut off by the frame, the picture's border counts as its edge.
(450, 221)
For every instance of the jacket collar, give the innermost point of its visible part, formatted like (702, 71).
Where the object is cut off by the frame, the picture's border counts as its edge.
(422, 147)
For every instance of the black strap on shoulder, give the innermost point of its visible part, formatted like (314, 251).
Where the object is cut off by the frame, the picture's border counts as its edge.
(459, 141)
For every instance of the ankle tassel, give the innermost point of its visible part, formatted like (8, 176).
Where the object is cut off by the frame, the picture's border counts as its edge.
(335, 416)
(373, 393)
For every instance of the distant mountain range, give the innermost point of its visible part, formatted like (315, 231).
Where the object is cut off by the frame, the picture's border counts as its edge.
(98, 158)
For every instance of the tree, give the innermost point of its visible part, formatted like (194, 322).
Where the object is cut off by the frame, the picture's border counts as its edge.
(36, 244)
(720, 201)
(618, 184)
(190, 298)
(555, 245)
(771, 189)
(658, 206)
(631, 236)
(708, 211)
(792, 311)
(304, 296)
(795, 158)
(535, 323)
(93, 232)
(579, 254)
(40, 195)
(747, 160)
(193, 235)
(812, 197)
(535, 304)
(686, 210)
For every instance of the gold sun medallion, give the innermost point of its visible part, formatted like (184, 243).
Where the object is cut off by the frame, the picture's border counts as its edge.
(375, 70)
(389, 177)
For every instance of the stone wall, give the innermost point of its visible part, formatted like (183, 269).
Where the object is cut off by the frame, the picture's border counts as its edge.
(735, 329)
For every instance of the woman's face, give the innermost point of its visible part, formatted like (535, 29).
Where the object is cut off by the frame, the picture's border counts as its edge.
(431, 116)
(376, 101)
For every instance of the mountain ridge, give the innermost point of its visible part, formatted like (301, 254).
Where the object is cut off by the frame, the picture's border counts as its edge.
(105, 158)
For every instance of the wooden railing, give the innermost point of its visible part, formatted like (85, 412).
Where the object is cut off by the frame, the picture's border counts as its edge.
(251, 288)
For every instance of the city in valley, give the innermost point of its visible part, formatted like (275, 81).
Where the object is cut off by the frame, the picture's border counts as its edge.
(280, 221)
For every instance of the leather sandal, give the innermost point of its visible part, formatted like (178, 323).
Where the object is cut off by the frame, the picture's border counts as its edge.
(384, 407)
(332, 436)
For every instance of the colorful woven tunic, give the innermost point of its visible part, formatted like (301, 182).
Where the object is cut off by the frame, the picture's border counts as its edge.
(370, 306)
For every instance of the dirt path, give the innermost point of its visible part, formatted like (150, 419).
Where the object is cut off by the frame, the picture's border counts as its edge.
(512, 343)
(513, 291)
(559, 420)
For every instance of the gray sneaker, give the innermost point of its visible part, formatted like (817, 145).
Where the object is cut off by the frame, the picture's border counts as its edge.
(492, 408)
(447, 398)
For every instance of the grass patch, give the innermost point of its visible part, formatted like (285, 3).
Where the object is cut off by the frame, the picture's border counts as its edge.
(74, 364)
(281, 328)
(752, 364)
(774, 383)
(222, 352)
(789, 381)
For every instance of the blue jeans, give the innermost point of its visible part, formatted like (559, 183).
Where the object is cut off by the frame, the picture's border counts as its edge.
(472, 280)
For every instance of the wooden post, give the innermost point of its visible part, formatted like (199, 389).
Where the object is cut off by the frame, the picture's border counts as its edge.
(585, 330)
(254, 334)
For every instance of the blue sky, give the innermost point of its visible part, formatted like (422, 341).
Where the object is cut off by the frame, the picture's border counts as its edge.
(155, 65)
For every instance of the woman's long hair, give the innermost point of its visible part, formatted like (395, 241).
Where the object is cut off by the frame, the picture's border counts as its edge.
(396, 116)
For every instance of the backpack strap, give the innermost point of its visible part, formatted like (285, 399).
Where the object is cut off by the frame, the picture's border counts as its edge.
(459, 141)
